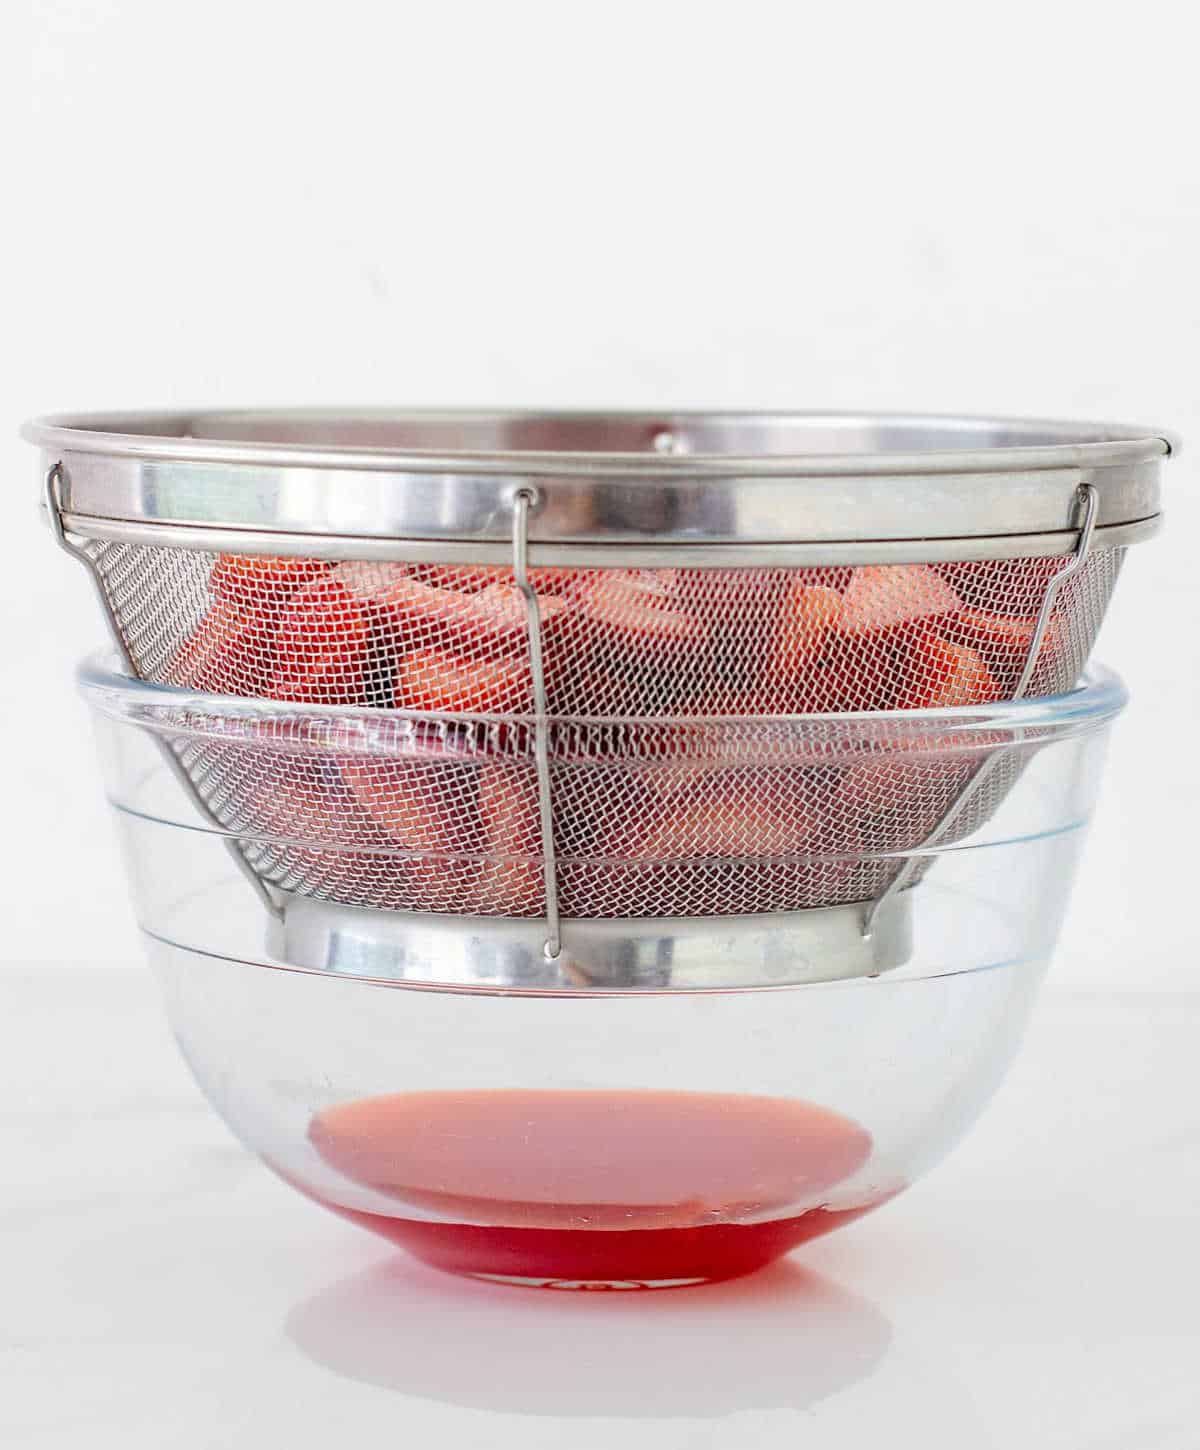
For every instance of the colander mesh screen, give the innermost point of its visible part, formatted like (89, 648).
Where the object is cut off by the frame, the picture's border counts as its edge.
(674, 792)
(617, 642)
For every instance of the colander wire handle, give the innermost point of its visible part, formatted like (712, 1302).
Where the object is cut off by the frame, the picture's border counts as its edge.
(1090, 499)
(523, 501)
(54, 510)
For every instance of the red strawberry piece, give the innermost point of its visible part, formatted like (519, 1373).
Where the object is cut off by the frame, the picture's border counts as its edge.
(806, 617)
(637, 606)
(1007, 637)
(321, 647)
(557, 580)
(735, 614)
(494, 618)
(943, 675)
(883, 596)
(463, 578)
(505, 611)
(738, 844)
(735, 819)
(406, 596)
(227, 652)
(511, 882)
(450, 684)
(261, 579)
(418, 803)
(1004, 640)
(296, 801)
(471, 578)
(855, 672)
(370, 579)
(893, 804)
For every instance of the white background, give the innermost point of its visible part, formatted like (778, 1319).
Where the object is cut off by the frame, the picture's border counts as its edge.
(930, 206)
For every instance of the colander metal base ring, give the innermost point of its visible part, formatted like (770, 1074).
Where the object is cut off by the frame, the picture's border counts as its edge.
(655, 955)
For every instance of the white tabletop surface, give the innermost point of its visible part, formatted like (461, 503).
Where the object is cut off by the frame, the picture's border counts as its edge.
(159, 1288)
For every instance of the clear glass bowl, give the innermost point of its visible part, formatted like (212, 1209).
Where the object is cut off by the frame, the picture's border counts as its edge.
(670, 1101)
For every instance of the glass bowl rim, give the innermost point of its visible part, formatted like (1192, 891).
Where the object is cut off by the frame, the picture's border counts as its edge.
(1097, 699)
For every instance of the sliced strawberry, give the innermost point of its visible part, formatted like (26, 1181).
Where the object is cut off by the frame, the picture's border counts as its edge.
(369, 579)
(227, 653)
(943, 675)
(737, 846)
(463, 578)
(577, 685)
(418, 803)
(894, 804)
(295, 801)
(883, 596)
(636, 605)
(805, 620)
(557, 580)
(259, 579)
(511, 881)
(230, 650)
(1004, 640)
(321, 647)
(735, 819)
(1006, 636)
(734, 612)
(504, 611)
(471, 578)
(449, 684)
(494, 618)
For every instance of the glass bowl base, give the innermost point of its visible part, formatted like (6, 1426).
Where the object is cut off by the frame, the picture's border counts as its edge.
(523, 1281)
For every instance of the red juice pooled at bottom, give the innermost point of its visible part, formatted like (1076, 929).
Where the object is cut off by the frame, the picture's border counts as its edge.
(594, 1186)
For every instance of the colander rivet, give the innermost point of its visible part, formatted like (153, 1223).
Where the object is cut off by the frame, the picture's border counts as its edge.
(668, 442)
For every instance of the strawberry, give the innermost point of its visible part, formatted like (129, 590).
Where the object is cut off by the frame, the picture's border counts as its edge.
(300, 802)
(368, 580)
(893, 804)
(230, 649)
(227, 653)
(1004, 640)
(882, 596)
(635, 605)
(261, 579)
(807, 616)
(321, 647)
(417, 803)
(511, 881)
(504, 612)
(943, 675)
(556, 580)
(727, 820)
(443, 683)
(494, 618)
(463, 578)
(615, 630)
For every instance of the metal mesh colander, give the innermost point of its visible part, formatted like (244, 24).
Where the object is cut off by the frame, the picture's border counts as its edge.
(631, 732)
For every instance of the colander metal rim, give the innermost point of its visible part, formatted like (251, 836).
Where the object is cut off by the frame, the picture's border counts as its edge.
(688, 487)
(168, 435)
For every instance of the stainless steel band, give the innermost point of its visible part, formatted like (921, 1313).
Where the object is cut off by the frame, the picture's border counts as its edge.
(1005, 497)
(622, 955)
